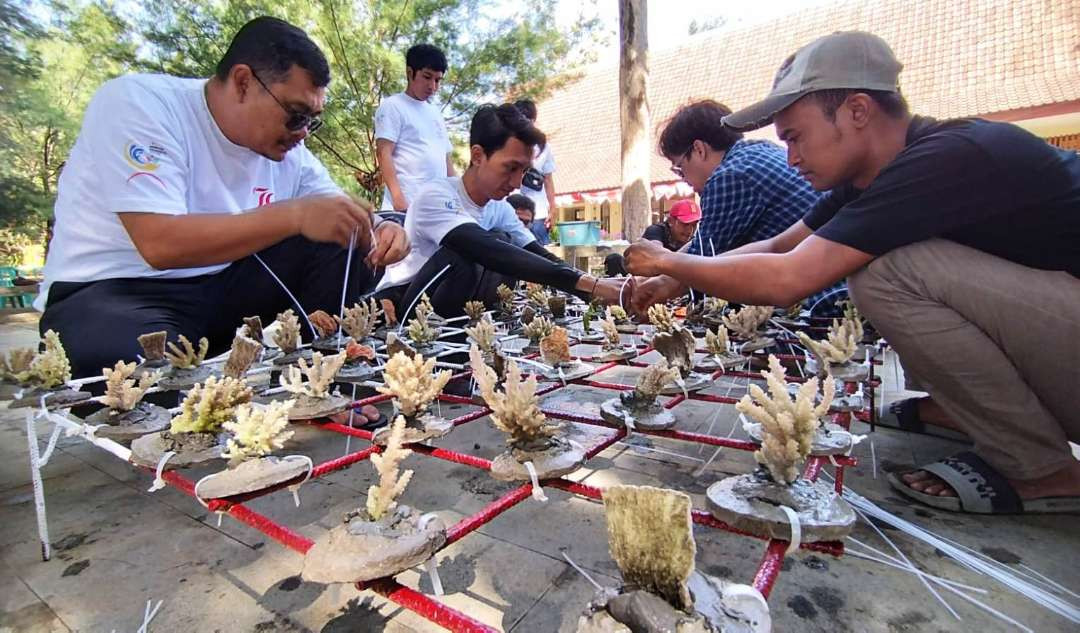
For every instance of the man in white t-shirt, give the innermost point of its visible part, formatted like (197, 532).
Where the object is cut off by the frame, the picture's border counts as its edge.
(538, 184)
(411, 141)
(179, 193)
(466, 239)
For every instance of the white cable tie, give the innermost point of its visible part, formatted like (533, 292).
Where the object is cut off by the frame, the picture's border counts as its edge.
(873, 458)
(159, 483)
(303, 312)
(747, 426)
(562, 377)
(43, 411)
(537, 491)
(832, 460)
(796, 529)
(219, 515)
(581, 571)
(295, 488)
(433, 572)
(148, 615)
(403, 317)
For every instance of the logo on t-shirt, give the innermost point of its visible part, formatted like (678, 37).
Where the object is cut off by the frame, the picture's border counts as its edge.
(265, 195)
(143, 157)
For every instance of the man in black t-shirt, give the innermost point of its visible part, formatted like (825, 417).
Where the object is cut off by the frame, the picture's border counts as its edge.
(961, 243)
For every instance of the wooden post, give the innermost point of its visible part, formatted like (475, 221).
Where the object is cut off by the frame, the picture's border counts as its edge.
(634, 117)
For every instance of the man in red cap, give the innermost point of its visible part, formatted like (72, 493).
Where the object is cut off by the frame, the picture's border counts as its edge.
(674, 232)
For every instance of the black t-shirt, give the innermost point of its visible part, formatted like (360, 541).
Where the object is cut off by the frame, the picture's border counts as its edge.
(988, 185)
(661, 232)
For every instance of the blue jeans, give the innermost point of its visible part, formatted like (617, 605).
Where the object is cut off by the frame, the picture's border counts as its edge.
(540, 232)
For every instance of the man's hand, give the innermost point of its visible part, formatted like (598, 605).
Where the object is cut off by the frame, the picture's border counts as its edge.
(645, 258)
(612, 289)
(654, 290)
(399, 202)
(391, 245)
(323, 322)
(333, 219)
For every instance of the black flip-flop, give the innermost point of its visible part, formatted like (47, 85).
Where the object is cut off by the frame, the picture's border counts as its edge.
(980, 489)
(904, 415)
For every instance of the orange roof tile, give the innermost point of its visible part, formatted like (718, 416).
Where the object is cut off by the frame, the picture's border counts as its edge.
(961, 58)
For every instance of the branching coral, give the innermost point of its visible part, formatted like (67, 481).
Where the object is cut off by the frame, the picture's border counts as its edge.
(153, 345)
(121, 392)
(257, 431)
(411, 382)
(483, 334)
(208, 405)
(715, 305)
(50, 368)
(515, 409)
(538, 328)
(653, 379)
(475, 310)
(662, 318)
(419, 330)
(187, 357)
(537, 295)
(320, 375)
(744, 323)
(618, 313)
(612, 340)
(838, 348)
(360, 320)
(15, 365)
(853, 320)
(788, 424)
(243, 353)
(287, 336)
(506, 298)
(716, 343)
(381, 497)
(555, 347)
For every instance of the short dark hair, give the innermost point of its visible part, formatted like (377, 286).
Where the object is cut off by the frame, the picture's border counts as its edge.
(892, 103)
(698, 121)
(421, 56)
(520, 202)
(493, 125)
(271, 47)
(527, 107)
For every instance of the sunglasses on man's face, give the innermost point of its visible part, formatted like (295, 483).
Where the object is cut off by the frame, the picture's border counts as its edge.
(296, 121)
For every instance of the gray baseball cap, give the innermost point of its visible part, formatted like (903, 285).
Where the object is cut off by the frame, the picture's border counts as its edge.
(845, 59)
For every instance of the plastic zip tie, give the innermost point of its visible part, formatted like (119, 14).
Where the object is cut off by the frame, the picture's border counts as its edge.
(295, 488)
(159, 483)
(295, 301)
(796, 529)
(537, 490)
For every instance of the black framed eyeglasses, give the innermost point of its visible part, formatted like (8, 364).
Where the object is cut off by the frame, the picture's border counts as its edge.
(677, 168)
(297, 120)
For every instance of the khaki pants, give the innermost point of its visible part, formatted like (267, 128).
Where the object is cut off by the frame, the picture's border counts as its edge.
(996, 344)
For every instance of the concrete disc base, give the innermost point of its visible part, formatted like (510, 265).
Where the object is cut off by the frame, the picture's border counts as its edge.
(829, 439)
(562, 458)
(184, 379)
(54, 399)
(429, 427)
(364, 550)
(750, 503)
(693, 382)
(651, 418)
(252, 475)
(124, 426)
(620, 353)
(307, 408)
(572, 371)
(725, 362)
(190, 449)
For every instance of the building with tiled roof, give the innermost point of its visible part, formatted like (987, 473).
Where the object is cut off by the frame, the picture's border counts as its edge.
(1012, 60)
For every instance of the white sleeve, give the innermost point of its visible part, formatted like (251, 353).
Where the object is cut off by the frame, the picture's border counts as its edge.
(388, 121)
(435, 212)
(507, 221)
(140, 157)
(548, 164)
(314, 178)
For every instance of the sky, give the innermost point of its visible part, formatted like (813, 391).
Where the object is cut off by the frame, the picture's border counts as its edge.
(669, 28)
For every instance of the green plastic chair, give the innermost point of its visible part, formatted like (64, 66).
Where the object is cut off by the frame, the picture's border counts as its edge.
(7, 280)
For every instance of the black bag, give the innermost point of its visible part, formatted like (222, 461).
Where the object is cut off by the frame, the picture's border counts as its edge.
(533, 179)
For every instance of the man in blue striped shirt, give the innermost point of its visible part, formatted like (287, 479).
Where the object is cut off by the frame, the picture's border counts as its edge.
(748, 191)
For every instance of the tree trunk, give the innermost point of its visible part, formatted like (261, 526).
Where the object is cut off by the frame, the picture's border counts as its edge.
(634, 117)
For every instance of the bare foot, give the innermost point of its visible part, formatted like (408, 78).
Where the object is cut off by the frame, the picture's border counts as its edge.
(1062, 483)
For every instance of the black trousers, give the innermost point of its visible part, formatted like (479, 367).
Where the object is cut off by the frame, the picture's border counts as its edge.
(99, 321)
(464, 281)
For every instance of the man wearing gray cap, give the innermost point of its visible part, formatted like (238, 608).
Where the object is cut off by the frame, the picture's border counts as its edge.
(959, 240)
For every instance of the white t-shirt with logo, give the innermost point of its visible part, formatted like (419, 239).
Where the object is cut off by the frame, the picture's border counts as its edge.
(544, 162)
(149, 144)
(441, 206)
(420, 139)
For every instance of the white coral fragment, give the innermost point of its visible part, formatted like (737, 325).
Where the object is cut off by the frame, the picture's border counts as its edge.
(381, 497)
(412, 383)
(257, 431)
(515, 409)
